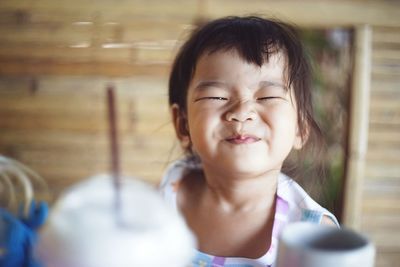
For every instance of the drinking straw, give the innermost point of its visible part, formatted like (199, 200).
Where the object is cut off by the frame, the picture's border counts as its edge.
(114, 160)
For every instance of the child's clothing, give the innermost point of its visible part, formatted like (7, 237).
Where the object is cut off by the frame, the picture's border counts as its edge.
(292, 204)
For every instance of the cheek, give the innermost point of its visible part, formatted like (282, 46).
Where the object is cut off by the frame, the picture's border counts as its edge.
(281, 118)
(205, 130)
(199, 124)
(203, 116)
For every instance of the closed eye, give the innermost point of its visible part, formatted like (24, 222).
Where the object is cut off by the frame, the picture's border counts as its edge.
(211, 98)
(269, 97)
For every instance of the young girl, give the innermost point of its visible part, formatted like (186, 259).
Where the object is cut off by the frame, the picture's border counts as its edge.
(240, 98)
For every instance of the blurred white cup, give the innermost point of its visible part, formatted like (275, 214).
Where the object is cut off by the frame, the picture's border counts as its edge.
(312, 245)
(85, 229)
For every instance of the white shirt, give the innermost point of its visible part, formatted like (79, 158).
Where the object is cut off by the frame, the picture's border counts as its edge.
(293, 205)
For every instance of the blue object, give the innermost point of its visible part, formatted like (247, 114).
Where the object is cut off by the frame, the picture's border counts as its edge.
(18, 236)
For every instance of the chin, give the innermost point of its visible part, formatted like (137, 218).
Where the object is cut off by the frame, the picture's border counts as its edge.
(247, 168)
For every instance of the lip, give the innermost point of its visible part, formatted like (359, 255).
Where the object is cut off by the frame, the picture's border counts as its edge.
(242, 139)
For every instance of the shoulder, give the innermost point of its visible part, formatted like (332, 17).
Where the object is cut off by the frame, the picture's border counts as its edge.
(172, 174)
(173, 178)
(301, 206)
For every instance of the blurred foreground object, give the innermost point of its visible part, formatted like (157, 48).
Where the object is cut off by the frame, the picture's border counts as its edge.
(19, 187)
(20, 214)
(310, 245)
(85, 229)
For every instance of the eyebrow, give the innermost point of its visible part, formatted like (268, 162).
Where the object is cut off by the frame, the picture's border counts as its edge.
(269, 83)
(205, 84)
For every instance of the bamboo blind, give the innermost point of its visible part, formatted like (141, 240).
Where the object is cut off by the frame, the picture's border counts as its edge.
(380, 207)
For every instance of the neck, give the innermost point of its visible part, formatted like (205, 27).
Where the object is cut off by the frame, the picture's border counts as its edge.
(241, 193)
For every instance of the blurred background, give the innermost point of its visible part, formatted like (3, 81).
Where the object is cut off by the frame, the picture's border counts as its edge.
(58, 57)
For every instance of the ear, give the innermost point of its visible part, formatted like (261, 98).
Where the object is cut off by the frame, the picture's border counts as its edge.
(181, 126)
(299, 140)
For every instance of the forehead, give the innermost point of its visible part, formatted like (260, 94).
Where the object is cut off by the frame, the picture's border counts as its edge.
(228, 64)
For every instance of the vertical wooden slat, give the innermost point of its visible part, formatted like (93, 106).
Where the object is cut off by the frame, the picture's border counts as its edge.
(358, 138)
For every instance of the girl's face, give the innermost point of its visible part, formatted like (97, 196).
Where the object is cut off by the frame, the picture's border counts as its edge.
(240, 117)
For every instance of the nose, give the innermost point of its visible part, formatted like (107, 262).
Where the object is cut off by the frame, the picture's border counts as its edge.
(241, 112)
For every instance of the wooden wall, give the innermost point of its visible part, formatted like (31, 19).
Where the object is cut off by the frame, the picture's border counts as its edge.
(380, 216)
(57, 125)
(58, 57)
(56, 60)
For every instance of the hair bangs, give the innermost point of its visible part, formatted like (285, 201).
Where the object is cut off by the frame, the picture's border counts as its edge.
(254, 42)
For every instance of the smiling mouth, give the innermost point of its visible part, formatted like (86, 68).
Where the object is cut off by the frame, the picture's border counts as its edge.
(243, 139)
